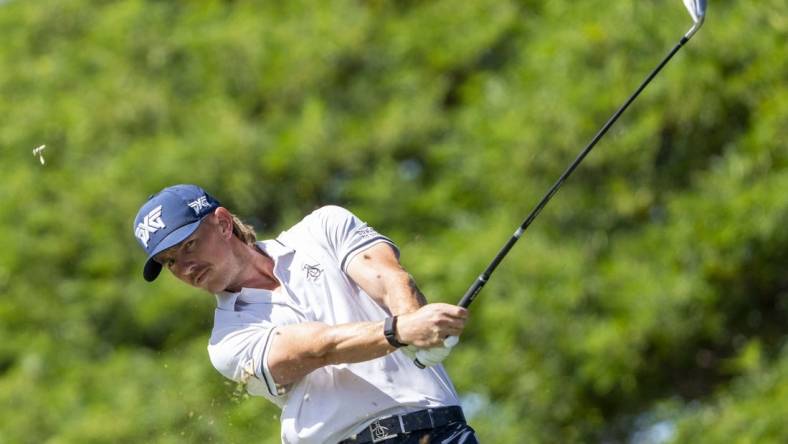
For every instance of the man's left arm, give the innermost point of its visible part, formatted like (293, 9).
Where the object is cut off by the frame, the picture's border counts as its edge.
(379, 273)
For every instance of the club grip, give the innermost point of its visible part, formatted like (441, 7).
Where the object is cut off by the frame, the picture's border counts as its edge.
(473, 290)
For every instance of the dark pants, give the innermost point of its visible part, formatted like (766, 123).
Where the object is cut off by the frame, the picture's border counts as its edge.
(454, 433)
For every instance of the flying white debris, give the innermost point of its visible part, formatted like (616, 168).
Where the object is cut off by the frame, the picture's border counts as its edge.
(40, 153)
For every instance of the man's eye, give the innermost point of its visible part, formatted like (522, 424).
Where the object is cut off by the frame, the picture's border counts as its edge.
(189, 244)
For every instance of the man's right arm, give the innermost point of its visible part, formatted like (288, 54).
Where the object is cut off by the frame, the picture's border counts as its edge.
(298, 349)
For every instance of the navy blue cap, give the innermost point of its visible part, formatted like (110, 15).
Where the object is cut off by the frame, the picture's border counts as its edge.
(169, 217)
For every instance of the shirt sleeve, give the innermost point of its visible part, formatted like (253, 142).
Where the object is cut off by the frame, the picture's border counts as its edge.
(346, 234)
(240, 353)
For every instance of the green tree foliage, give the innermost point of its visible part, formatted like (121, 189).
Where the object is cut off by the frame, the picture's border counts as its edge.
(647, 303)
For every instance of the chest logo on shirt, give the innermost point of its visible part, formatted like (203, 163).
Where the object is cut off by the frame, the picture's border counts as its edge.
(313, 272)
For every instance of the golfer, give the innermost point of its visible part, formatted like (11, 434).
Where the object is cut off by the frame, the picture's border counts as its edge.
(323, 320)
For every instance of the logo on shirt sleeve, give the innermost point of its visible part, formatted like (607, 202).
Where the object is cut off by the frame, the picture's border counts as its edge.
(366, 231)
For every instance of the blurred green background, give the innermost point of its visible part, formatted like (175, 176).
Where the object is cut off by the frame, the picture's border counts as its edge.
(648, 303)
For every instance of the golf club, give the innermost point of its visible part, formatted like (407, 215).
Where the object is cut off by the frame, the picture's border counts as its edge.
(697, 9)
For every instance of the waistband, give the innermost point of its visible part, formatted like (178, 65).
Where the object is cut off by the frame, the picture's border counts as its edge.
(390, 426)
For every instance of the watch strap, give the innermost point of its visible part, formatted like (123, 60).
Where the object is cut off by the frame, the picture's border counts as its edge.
(390, 332)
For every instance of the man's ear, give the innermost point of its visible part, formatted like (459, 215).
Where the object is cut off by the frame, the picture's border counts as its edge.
(225, 222)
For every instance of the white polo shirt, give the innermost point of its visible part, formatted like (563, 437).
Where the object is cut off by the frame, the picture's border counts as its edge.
(336, 401)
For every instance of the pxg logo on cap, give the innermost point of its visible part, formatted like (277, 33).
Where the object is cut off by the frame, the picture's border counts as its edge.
(169, 217)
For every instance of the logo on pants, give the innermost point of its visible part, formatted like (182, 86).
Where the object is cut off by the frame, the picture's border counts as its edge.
(380, 432)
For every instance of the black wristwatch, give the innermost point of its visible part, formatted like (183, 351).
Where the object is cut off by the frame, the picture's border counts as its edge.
(390, 332)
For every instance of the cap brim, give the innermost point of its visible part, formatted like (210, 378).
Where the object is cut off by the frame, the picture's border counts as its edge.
(152, 268)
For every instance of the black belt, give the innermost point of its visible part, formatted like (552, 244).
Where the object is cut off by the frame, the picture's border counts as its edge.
(391, 426)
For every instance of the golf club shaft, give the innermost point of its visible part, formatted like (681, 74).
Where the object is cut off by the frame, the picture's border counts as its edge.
(476, 287)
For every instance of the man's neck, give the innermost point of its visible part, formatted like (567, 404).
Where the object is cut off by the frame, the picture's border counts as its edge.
(257, 270)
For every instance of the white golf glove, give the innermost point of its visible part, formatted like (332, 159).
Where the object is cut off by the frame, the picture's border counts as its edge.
(428, 357)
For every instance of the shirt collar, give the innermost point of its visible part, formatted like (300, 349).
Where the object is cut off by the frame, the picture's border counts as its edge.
(274, 248)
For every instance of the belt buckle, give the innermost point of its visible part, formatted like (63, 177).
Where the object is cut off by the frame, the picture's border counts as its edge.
(379, 431)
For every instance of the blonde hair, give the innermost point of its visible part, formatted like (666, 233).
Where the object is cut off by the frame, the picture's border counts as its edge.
(243, 231)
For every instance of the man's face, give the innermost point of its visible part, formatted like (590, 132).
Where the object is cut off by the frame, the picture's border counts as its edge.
(202, 259)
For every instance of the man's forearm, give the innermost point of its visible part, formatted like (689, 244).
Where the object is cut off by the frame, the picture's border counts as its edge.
(298, 349)
(356, 342)
(404, 295)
